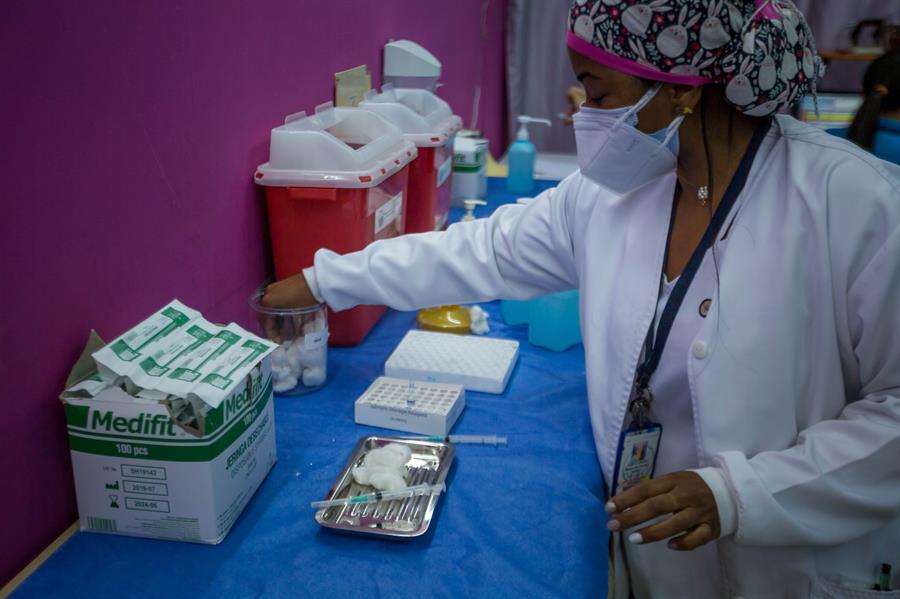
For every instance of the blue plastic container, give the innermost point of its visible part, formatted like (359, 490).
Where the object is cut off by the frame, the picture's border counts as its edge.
(515, 311)
(552, 320)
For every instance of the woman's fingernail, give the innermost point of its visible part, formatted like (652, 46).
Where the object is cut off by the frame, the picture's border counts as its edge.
(610, 507)
(635, 538)
(613, 525)
(672, 545)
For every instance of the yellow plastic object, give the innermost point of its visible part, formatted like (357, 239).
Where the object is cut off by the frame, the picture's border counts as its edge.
(495, 169)
(446, 319)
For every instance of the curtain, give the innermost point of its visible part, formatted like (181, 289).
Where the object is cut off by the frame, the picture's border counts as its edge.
(538, 72)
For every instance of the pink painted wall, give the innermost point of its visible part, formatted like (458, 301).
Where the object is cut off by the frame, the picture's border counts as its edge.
(130, 131)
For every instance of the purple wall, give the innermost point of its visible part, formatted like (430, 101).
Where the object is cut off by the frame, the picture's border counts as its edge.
(130, 131)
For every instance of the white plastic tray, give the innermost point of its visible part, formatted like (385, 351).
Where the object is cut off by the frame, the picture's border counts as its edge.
(411, 406)
(477, 363)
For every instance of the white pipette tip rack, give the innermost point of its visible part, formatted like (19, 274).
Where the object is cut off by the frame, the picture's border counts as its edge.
(477, 363)
(410, 406)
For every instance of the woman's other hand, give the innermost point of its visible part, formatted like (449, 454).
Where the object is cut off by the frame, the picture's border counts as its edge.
(693, 517)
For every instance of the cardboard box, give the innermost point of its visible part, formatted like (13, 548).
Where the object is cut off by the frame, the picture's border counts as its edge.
(138, 472)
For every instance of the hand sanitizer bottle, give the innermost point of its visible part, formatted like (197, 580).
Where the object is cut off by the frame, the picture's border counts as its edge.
(520, 158)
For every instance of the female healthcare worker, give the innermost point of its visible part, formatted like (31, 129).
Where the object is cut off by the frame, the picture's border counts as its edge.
(761, 254)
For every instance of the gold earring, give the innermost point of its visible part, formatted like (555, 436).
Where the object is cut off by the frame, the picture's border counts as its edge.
(687, 110)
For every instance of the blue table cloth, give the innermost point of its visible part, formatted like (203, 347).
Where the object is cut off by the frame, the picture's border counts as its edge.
(524, 520)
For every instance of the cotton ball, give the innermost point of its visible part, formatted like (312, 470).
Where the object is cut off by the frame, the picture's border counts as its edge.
(313, 326)
(295, 347)
(385, 480)
(384, 467)
(280, 371)
(392, 455)
(285, 384)
(479, 318)
(313, 358)
(294, 364)
(361, 475)
(480, 328)
(295, 357)
(313, 377)
(280, 355)
(377, 457)
(403, 452)
(477, 313)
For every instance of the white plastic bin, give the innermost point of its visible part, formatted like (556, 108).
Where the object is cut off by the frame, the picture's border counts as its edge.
(429, 123)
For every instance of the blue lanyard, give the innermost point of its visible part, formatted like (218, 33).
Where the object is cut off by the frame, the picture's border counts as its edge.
(653, 347)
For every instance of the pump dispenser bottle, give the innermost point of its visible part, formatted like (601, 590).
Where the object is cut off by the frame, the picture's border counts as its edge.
(521, 157)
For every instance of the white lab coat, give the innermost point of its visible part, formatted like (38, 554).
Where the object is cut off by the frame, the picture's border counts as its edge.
(794, 375)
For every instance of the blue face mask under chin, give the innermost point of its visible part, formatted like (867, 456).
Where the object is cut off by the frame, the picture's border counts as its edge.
(660, 136)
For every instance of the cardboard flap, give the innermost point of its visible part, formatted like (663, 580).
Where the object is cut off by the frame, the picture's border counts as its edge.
(85, 365)
(199, 419)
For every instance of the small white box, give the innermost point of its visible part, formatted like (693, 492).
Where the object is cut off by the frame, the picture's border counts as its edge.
(477, 363)
(411, 406)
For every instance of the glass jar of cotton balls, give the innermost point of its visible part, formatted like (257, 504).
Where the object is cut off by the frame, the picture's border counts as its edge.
(300, 364)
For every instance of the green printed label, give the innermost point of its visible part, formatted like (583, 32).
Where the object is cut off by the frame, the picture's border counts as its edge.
(217, 381)
(76, 415)
(208, 348)
(256, 350)
(475, 160)
(170, 453)
(228, 339)
(238, 402)
(150, 366)
(185, 374)
(145, 488)
(151, 425)
(92, 437)
(150, 330)
(246, 444)
(124, 353)
(159, 363)
(146, 505)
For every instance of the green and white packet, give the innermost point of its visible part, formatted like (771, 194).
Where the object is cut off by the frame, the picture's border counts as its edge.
(177, 352)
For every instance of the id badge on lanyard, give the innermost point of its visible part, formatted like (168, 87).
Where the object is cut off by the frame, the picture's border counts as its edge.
(638, 449)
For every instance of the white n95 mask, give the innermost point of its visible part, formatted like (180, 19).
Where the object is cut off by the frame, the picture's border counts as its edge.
(613, 153)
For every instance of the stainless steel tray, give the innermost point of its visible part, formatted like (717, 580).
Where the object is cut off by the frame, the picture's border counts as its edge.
(398, 518)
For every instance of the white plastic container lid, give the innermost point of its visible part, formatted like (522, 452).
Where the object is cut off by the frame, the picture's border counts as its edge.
(406, 58)
(338, 147)
(424, 118)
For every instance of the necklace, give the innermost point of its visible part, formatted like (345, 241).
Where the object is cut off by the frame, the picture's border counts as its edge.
(702, 192)
(703, 195)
